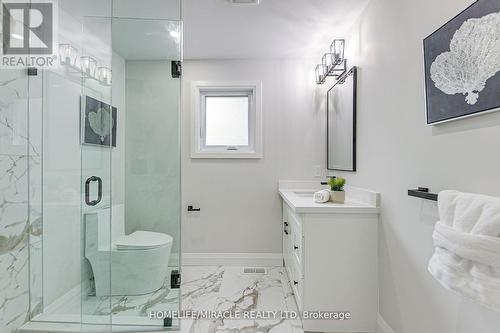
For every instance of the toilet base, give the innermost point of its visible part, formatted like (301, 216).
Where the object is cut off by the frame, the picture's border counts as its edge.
(132, 272)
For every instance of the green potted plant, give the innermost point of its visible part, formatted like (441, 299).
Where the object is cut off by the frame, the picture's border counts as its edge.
(337, 193)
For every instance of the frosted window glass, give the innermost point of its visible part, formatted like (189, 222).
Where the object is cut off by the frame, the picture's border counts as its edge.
(226, 121)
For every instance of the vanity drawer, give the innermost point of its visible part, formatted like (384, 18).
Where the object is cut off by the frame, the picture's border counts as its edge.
(293, 242)
(287, 239)
(296, 239)
(296, 281)
(296, 247)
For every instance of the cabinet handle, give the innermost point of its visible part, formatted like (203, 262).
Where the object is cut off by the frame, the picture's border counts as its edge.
(295, 247)
(286, 224)
(286, 232)
(295, 283)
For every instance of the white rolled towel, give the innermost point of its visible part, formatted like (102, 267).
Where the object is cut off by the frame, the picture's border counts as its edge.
(322, 196)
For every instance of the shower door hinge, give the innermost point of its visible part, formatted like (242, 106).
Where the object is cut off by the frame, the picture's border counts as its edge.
(32, 71)
(176, 69)
(175, 279)
(167, 322)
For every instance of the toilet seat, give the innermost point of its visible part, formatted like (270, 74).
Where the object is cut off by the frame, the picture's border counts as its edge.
(142, 240)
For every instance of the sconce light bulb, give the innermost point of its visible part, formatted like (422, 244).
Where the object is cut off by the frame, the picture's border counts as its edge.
(175, 34)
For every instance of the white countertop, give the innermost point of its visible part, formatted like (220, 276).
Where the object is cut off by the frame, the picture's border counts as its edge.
(299, 196)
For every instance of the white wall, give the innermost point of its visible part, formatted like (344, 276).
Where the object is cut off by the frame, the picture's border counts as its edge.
(396, 151)
(240, 206)
(148, 9)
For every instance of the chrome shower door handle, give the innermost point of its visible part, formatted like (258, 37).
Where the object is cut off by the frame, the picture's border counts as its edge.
(87, 190)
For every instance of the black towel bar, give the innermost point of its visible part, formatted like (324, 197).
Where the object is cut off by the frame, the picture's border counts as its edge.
(423, 193)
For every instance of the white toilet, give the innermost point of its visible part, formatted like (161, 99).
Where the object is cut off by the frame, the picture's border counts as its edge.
(139, 261)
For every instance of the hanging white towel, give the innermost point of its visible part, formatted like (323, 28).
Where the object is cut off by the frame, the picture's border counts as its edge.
(467, 240)
(322, 196)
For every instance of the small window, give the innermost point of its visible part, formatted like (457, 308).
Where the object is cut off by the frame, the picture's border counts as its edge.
(226, 120)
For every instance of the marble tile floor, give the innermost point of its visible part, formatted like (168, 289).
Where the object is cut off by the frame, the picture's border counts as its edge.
(229, 289)
(207, 288)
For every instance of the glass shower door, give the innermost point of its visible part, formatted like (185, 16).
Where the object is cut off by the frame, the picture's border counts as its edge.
(145, 262)
(130, 174)
(98, 128)
(130, 168)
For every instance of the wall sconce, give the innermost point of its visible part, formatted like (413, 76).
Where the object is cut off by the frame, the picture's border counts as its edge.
(337, 48)
(333, 63)
(68, 55)
(328, 61)
(321, 74)
(104, 75)
(88, 66)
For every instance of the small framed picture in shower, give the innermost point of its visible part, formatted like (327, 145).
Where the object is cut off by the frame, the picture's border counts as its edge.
(98, 125)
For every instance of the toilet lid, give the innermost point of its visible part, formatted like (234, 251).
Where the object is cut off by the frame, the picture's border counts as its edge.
(142, 240)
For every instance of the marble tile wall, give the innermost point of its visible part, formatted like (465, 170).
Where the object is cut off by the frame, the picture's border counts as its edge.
(17, 156)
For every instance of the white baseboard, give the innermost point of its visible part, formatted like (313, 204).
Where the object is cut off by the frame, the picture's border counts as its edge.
(383, 326)
(232, 259)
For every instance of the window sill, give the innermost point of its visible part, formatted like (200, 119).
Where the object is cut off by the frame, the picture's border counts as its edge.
(226, 155)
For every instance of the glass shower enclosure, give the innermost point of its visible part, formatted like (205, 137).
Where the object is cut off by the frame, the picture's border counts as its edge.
(105, 190)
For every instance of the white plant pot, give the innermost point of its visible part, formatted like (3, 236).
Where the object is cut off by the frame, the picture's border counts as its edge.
(337, 196)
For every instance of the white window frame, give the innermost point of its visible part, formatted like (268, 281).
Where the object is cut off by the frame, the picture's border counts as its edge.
(202, 89)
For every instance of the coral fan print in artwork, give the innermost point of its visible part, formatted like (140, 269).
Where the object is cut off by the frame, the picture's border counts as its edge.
(462, 64)
(474, 57)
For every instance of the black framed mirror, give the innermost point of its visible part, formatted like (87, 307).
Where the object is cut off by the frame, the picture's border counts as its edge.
(341, 123)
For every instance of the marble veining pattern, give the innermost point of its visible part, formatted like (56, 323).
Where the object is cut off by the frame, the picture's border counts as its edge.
(209, 288)
(14, 201)
(139, 306)
(229, 289)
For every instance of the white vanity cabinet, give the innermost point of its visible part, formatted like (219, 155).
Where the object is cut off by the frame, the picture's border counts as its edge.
(330, 256)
